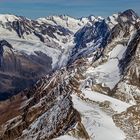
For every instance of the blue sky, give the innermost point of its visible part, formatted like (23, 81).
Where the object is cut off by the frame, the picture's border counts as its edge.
(77, 8)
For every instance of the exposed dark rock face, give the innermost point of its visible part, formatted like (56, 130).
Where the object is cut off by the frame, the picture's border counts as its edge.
(19, 71)
(129, 122)
(119, 30)
(130, 52)
(36, 111)
(128, 88)
(129, 14)
(24, 27)
(2, 44)
(96, 34)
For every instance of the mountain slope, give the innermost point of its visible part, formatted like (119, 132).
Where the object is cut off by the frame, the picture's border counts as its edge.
(88, 87)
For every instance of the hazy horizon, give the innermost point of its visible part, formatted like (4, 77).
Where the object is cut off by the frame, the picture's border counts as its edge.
(75, 8)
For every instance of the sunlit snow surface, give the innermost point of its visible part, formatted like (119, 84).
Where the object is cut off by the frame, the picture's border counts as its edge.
(97, 122)
(116, 104)
(109, 73)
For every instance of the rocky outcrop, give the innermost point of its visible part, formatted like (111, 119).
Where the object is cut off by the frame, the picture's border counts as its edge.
(24, 27)
(19, 71)
(129, 88)
(2, 44)
(88, 38)
(129, 122)
(47, 108)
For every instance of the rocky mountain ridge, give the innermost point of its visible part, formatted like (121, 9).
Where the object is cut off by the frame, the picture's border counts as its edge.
(93, 86)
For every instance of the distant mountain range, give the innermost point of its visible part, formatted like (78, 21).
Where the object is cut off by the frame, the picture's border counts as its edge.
(66, 78)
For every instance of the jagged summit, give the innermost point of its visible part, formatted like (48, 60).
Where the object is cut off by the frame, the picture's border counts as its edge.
(130, 13)
(11, 17)
(71, 23)
(5, 18)
(8, 18)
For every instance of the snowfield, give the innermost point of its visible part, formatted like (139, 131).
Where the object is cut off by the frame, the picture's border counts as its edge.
(108, 73)
(98, 123)
(116, 104)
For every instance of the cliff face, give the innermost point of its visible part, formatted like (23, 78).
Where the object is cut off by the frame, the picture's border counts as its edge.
(48, 102)
(128, 87)
(19, 71)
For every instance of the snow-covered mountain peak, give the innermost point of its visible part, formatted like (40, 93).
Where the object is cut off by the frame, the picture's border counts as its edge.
(130, 13)
(73, 24)
(64, 21)
(8, 18)
(56, 19)
(128, 16)
(89, 18)
(112, 20)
